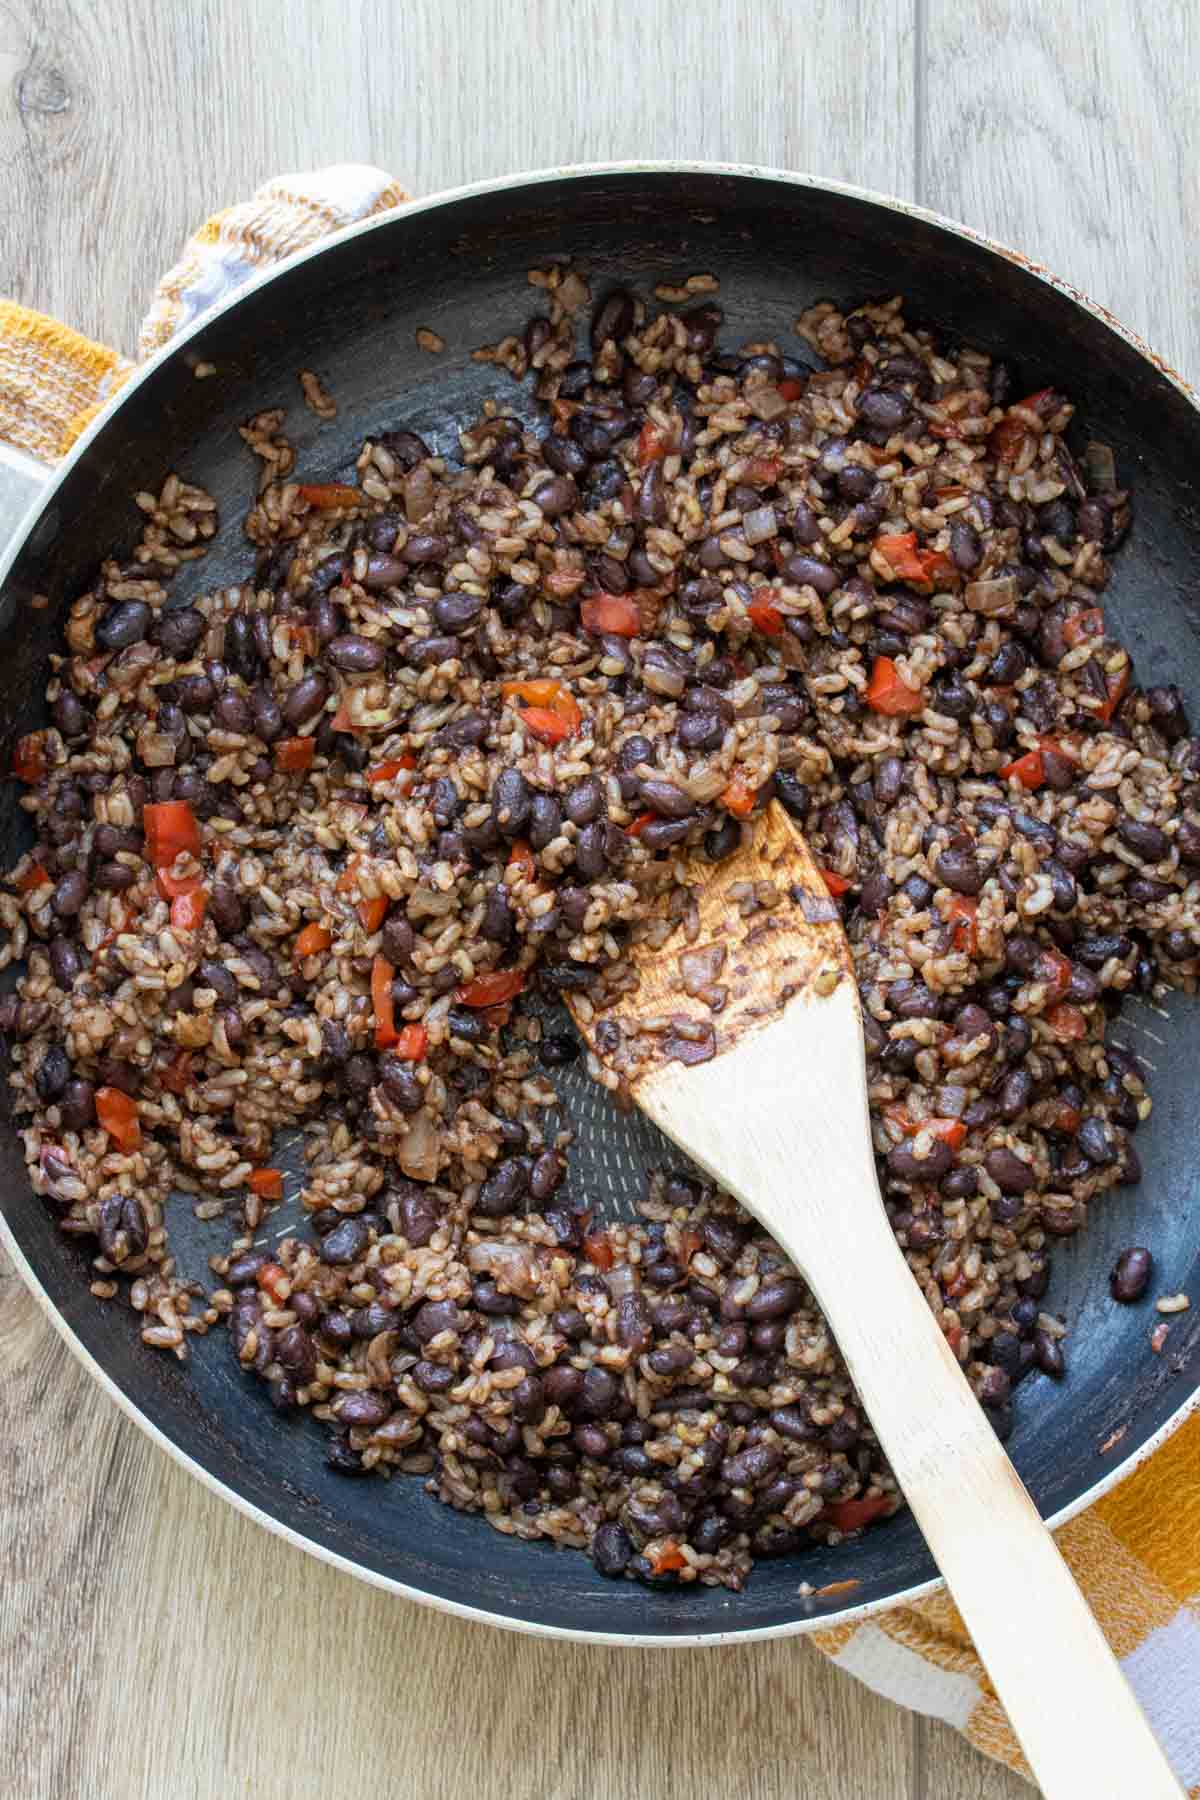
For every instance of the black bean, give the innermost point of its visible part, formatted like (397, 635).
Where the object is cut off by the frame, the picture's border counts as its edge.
(66, 963)
(1015, 1094)
(419, 1215)
(346, 1243)
(124, 623)
(499, 920)
(1167, 713)
(556, 496)
(503, 1189)
(215, 975)
(227, 909)
(435, 1317)
(70, 715)
(1009, 1172)
(612, 1549)
(357, 655)
(808, 571)
(958, 868)
(69, 894)
(722, 840)
(1146, 841)
(590, 859)
(1048, 1355)
(966, 548)
(1187, 842)
(366, 1410)
(429, 652)
(114, 877)
(777, 1296)
(563, 455)
(398, 939)
(457, 612)
(424, 547)
(907, 1166)
(1131, 1274)
(304, 701)
(512, 800)
(586, 801)
(546, 1175)
(52, 1074)
(885, 410)
(1096, 1142)
(232, 712)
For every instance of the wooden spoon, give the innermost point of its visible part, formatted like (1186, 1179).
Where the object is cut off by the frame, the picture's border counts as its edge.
(777, 1114)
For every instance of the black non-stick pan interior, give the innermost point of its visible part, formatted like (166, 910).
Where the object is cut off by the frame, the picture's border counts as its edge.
(460, 268)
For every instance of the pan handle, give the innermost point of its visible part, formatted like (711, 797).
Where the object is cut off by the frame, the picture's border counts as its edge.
(21, 482)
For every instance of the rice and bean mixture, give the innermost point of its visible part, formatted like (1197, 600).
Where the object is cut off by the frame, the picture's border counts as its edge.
(306, 847)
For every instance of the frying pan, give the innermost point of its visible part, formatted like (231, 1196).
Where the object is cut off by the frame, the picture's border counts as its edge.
(349, 309)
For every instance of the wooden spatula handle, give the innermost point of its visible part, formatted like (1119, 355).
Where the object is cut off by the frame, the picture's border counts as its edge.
(1077, 1719)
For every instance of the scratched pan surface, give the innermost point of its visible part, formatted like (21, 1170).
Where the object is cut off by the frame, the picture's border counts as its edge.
(350, 311)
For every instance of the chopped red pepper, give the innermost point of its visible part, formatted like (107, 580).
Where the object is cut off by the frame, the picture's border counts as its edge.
(312, 940)
(889, 694)
(545, 695)
(1066, 1022)
(1083, 625)
(1008, 439)
(953, 1335)
(294, 755)
(1067, 1119)
(598, 1250)
(546, 726)
(175, 887)
(689, 1243)
(412, 1043)
(349, 876)
(765, 618)
(639, 824)
(170, 826)
(763, 471)
(372, 913)
(614, 615)
(947, 1131)
(667, 1558)
(325, 495)
(521, 858)
(1054, 969)
(275, 1281)
(837, 884)
(387, 771)
(118, 1114)
(32, 877)
(1029, 770)
(187, 909)
(961, 914)
(492, 989)
(739, 797)
(652, 444)
(266, 1183)
(342, 721)
(178, 1072)
(1118, 687)
(851, 1515)
(899, 551)
(790, 389)
(29, 757)
(383, 974)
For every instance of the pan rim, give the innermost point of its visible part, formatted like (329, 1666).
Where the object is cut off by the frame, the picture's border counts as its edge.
(846, 1615)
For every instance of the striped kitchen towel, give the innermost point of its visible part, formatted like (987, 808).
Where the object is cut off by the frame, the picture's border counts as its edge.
(1136, 1553)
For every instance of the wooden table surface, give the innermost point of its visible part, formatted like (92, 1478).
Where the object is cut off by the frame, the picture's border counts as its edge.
(153, 1643)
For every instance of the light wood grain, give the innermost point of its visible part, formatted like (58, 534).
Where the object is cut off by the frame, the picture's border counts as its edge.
(121, 125)
(1074, 137)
